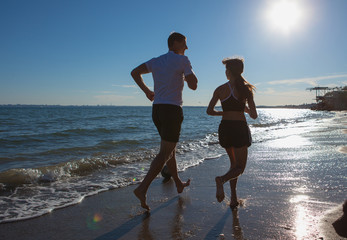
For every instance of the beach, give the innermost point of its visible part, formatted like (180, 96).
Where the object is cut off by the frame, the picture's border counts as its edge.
(194, 214)
(269, 210)
(293, 186)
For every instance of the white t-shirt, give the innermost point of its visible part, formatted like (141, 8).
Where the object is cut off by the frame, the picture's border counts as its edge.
(168, 72)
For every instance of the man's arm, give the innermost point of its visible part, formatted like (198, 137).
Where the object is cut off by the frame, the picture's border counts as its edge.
(136, 74)
(192, 81)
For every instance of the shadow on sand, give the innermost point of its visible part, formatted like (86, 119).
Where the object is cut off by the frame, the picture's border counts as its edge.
(132, 223)
(217, 229)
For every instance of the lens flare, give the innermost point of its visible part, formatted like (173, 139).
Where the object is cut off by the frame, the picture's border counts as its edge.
(97, 218)
(93, 221)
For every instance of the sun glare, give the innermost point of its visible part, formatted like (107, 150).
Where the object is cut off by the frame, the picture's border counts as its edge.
(285, 15)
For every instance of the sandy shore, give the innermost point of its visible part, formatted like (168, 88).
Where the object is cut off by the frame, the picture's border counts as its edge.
(194, 214)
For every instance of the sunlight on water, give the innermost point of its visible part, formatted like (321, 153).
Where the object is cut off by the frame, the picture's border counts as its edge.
(303, 218)
(291, 142)
(301, 222)
(298, 198)
(302, 189)
(279, 114)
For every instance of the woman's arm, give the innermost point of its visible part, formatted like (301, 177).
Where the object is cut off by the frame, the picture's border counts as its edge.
(210, 109)
(251, 110)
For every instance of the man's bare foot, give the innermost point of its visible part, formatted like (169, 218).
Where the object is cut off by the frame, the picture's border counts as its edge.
(142, 197)
(220, 190)
(181, 186)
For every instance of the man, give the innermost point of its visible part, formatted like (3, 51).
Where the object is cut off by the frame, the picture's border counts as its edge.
(169, 72)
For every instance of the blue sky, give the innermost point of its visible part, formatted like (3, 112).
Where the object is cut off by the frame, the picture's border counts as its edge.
(82, 52)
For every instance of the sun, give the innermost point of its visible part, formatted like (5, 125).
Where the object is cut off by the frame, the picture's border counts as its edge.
(285, 15)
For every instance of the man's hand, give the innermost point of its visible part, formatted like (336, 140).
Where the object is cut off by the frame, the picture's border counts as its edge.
(150, 95)
(192, 81)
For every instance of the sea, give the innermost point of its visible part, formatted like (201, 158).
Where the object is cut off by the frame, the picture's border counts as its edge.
(52, 157)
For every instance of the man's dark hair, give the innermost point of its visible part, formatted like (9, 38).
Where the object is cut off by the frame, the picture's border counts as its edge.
(175, 36)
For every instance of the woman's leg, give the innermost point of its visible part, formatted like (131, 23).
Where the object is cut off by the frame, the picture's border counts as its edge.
(233, 198)
(238, 160)
(219, 180)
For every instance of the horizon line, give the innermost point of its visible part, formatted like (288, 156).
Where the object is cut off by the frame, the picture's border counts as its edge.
(103, 105)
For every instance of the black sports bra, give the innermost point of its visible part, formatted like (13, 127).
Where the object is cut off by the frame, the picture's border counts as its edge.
(231, 103)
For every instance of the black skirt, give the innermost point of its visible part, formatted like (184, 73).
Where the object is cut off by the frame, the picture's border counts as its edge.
(234, 134)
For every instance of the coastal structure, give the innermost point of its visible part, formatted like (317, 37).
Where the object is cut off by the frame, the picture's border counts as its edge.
(330, 98)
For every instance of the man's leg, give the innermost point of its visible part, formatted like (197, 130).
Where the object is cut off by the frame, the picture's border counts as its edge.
(172, 166)
(166, 150)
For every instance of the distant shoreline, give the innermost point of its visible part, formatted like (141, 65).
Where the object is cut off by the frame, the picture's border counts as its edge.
(302, 106)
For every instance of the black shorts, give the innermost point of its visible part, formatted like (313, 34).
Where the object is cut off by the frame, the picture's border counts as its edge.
(234, 134)
(168, 119)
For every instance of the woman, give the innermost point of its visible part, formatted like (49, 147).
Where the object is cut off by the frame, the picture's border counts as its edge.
(234, 134)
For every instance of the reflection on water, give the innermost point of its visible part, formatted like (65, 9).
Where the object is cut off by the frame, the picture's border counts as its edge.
(304, 219)
(298, 198)
(178, 220)
(145, 233)
(221, 230)
(237, 231)
(301, 222)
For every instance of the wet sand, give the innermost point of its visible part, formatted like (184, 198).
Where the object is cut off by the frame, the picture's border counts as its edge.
(282, 192)
(193, 214)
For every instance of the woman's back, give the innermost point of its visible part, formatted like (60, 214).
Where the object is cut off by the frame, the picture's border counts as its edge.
(233, 109)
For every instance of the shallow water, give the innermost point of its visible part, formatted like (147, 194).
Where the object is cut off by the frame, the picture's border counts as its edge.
(51, 157)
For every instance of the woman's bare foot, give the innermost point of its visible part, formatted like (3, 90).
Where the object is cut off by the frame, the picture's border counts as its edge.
(234, 203)
(220, 190)
(142, 197)
(182, 185)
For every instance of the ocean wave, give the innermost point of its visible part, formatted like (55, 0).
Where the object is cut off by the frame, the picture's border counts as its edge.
(65, 133)
(37, 191)
(262, 125)
(83, 131)
(83, 167)
(112, 143)
(20, 140)
(12, 159)
(101, 146)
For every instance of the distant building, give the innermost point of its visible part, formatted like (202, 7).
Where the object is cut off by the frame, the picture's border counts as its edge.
(336, 99)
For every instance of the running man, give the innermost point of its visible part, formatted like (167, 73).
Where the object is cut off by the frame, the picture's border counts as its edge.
(169, 72)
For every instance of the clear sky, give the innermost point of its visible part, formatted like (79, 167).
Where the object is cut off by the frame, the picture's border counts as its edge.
(72, 52)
